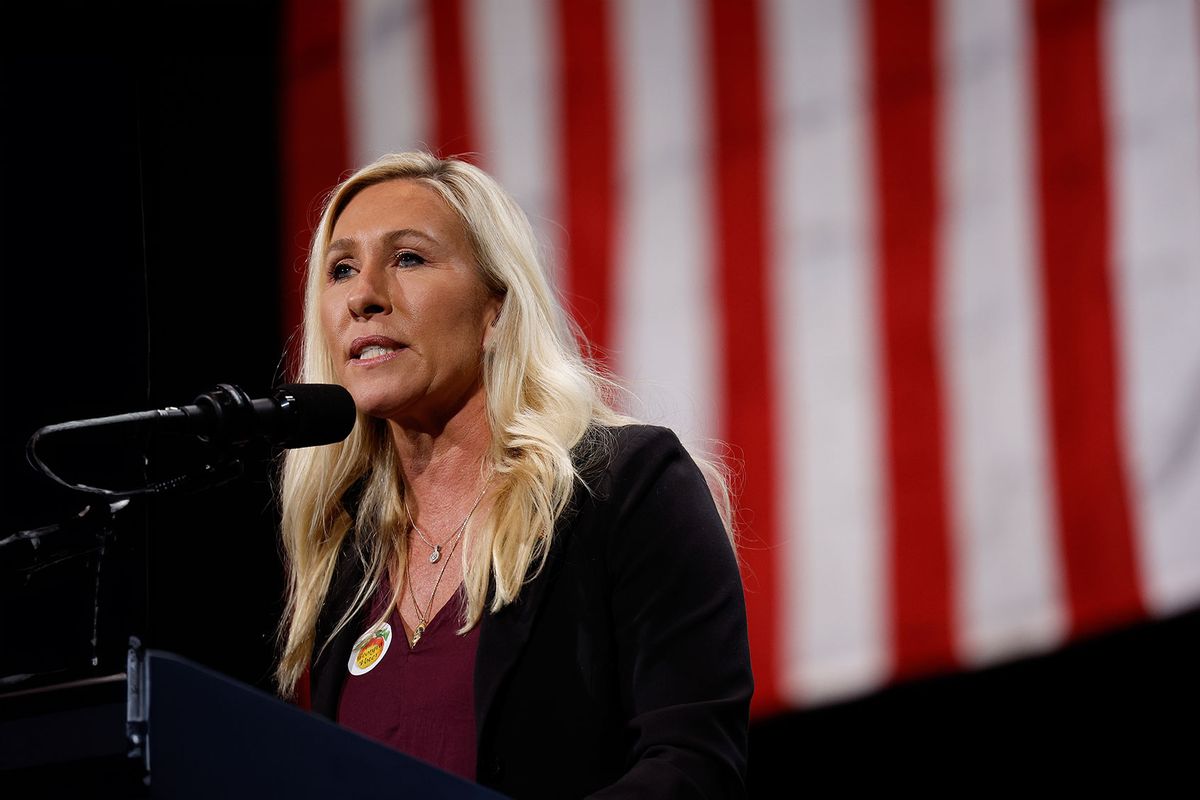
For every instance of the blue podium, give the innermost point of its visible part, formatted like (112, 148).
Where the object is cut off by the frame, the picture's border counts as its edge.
(189, 732)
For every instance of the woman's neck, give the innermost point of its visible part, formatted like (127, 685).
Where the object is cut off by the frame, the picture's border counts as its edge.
(441, 466)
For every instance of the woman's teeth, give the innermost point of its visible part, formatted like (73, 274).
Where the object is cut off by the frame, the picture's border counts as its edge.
(375, 351)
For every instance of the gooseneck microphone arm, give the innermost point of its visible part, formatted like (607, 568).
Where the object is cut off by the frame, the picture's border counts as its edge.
(296, 415)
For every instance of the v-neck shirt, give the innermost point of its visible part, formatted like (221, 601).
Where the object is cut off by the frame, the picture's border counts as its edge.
(420, 699)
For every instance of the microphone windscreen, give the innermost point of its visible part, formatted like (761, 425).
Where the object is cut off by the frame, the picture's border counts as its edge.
(314, 414)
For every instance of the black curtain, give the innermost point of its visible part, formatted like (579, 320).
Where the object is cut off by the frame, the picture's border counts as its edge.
(141, 216)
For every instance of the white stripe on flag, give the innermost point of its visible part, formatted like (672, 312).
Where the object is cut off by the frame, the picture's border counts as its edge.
(388, 95)
(514, 65)
(667, 322)
(1151, 70)
(834, 627)
(1007, 565)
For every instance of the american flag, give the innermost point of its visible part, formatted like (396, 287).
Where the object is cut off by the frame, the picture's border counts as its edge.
(930, 267)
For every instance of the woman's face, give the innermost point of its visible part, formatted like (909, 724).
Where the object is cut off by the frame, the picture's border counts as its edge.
(403, 309)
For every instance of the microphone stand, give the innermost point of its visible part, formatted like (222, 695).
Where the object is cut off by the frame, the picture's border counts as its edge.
(225, 421)
(91, 533)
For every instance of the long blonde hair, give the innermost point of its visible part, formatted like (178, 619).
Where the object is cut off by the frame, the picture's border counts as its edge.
(541, 397)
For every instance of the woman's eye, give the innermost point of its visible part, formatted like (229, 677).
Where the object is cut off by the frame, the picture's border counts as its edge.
(407, 258)
(340, 270)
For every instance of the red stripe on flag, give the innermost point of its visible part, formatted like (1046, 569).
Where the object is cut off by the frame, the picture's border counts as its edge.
(740, 202)
(1094, 520)
(905, 114)
(588, 156)
(453, 133)
(314, 136)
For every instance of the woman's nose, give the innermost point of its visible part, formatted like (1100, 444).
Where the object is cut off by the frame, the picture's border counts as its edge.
(369, 295)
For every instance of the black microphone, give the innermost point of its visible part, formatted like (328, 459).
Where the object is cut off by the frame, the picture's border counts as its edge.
(295, 415)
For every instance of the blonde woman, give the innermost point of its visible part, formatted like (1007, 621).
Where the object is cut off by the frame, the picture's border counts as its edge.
(496, 572)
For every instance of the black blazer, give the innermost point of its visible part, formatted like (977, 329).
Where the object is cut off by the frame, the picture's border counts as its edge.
(623, 670)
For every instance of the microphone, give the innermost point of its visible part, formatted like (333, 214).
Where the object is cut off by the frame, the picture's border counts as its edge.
(295, 415)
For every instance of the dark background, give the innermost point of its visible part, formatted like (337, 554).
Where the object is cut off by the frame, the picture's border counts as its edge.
(141, 263)
(141, 269)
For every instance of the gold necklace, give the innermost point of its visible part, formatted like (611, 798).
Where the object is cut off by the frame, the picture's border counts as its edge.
(423, 619)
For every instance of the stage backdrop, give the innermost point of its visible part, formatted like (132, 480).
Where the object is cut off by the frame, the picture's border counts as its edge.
(932, 269)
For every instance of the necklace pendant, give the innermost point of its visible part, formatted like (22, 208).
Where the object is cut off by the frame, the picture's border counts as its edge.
(417, 635)
(436, 555)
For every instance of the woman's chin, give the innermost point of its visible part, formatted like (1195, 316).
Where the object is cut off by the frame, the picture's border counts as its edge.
(424, 407)
(380, 405)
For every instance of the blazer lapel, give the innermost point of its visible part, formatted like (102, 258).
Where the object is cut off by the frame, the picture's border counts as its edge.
(329, 672)
(503, 635)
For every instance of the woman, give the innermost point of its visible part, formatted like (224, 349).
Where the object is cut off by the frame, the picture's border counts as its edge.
(496, 572)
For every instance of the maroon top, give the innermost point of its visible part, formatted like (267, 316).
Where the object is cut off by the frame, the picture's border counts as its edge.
(420, 700)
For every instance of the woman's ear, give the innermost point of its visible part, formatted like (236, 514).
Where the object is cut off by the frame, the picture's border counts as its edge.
(498, 305)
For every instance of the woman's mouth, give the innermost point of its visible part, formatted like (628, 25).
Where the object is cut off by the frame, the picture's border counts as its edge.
(373, 349)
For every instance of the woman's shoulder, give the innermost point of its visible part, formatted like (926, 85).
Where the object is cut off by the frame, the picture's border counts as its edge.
(649, 494)
(611, 449)
(634, 434)
(626, 460)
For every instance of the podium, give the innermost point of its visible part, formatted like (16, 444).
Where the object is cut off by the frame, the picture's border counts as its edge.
(184, 731)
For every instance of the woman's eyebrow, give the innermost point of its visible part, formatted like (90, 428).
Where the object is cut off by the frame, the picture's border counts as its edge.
(391, 236)
(410, 232)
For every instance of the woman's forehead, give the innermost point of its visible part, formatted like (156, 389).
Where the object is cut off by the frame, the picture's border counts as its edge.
(382, 209)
